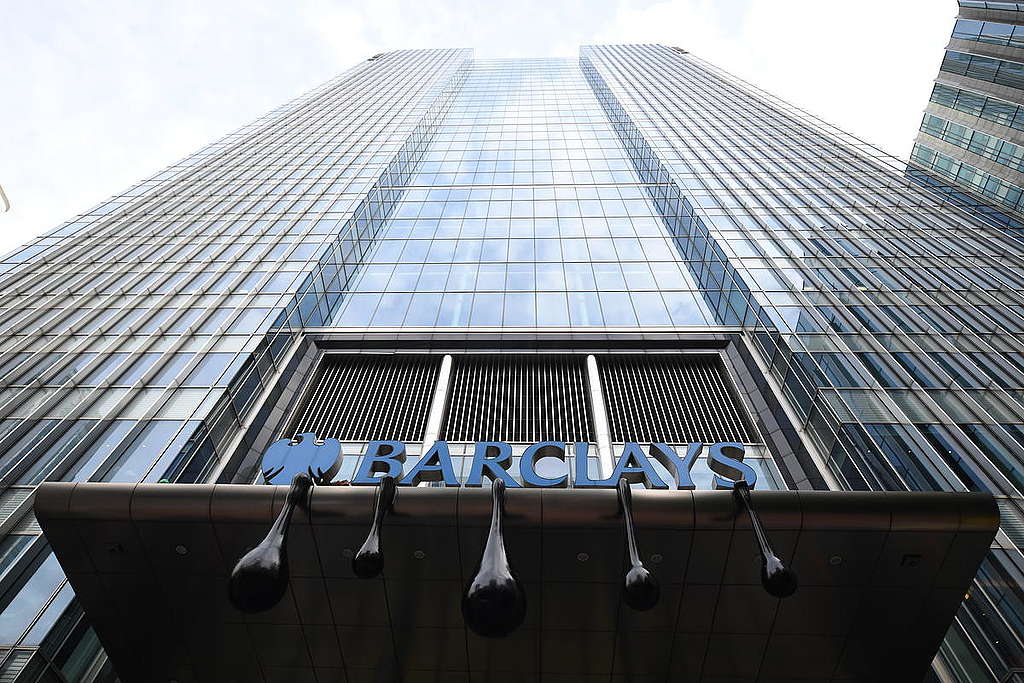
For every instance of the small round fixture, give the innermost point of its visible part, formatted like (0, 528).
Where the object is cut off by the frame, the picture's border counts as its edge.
(582, 557)
(419, 554)
(180, 549)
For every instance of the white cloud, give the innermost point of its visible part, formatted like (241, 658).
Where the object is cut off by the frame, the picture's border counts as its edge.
(99, 95)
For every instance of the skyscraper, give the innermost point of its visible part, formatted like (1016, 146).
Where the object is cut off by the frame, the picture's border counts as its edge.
(629, 247)
(972, 133)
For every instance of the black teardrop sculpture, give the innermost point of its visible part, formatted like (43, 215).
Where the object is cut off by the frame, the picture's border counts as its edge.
(260, 578)
(776, 578)
(369, 561)
(641, 590)
(494, 604)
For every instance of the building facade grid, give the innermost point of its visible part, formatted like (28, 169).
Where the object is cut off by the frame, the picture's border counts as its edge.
(633, 191)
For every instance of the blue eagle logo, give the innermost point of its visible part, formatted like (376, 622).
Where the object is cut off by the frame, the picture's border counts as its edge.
(288, 457)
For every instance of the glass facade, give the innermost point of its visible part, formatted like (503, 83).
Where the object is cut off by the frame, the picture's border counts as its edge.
(524, 211)
(635, 193)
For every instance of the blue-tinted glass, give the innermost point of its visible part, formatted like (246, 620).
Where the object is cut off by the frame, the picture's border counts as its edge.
(19, 612)
(684, 309)
(423, 309)
(163, 468)
(650, 309)
(45, 465)
(967, 28)
(520, 310)
(455, 310)
(208, 370)
(140, 454)
(391, 309)
(249, 320)
(11, 548)
(171, 368)
(487, 309)
(139, 366)
(99, 451)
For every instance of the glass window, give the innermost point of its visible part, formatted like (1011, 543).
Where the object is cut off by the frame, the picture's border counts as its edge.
(49, 616)
(35, 368)
(170, 369)
(999, 448)
(520, 309)
(919, 369)
(423, 309)
(391, 310)
(967, 29)
(249, 321)
(19, 612)
(45, 465)
(99, 451)
(684, 309)
(137, 458)
(455, 310)
(996, 33)
(358, 310)
(970, 103)
(213, 321)
(487, 309)
(584, 308)
(650, 309)
(11, 548)
(999, 111)
(166, 464)
(139, 366)
(208, 370)
(28, 441)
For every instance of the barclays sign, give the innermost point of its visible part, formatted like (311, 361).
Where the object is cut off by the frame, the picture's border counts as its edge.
(494, 459)
(494, 602)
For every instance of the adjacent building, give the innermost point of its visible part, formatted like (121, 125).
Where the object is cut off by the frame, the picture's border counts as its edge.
(629, 247)
(972, 133)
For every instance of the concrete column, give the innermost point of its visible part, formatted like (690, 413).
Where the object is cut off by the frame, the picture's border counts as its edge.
(437, 404)
(597, 408)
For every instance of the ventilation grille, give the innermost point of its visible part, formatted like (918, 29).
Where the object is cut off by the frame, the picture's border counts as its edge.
(1011, 519)
(14, 665)
(677, 399)
(28, 525)
(367, 397)
(11, 501)
(521, 399)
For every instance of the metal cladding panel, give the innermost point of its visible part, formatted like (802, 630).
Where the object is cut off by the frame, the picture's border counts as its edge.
(519, 399)
(881, 577)
(366, 397)
(671, 399)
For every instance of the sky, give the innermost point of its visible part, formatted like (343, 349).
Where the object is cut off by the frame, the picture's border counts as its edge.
(98, 95)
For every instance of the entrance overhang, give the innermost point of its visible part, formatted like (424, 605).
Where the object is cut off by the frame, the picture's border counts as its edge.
(881, 576)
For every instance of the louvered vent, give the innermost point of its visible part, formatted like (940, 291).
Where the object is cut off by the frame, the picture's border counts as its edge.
(14, 665)
(28, 525)
(366, 397)
(519, 399)
(671, 399)
(11, 501)
(1011, 518)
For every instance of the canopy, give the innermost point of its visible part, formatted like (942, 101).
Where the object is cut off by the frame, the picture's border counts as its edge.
(881, 576)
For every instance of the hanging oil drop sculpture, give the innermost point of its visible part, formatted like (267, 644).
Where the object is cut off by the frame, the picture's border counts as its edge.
(369, 561)
(494, 604)
(776, 578)
(260, 579)
(641, 589)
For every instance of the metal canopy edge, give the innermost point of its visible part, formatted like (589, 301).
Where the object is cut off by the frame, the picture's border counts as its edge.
(881, 577)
